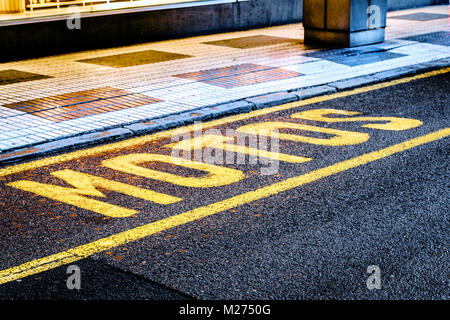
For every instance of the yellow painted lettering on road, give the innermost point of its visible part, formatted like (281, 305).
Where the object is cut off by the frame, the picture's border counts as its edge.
(83, 251)
(59, 258)
(85, 185)
(339, 137)
(216, 176)
(227, 144)
(392, 123)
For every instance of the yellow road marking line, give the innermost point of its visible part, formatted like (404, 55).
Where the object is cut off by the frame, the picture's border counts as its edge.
(141, 232)
(86, 185)
(179, 131)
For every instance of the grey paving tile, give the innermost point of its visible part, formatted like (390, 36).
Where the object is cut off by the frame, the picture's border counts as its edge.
(439, 37)
(365, 58)
(420, 16)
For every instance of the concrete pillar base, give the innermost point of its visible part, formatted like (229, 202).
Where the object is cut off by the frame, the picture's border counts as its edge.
(344, 23)
(344, 38)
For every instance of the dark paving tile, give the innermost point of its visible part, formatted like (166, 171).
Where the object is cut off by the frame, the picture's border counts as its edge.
(239, 75)
(355, 56)
(252, 42)
(13, 76)
(366, 58)
(82, 103)
(337, 52)
(420, 16)
(440, 38)
(135, 58)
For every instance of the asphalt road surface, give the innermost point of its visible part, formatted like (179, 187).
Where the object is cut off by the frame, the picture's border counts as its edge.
(347, 181)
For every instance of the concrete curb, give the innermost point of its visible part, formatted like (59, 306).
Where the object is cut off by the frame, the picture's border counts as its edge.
(306, 93)
(190, 117)
(65, 144)
(272, 99)
(212, 112)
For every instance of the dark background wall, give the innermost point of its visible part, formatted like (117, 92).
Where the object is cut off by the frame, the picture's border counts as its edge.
(44, 37)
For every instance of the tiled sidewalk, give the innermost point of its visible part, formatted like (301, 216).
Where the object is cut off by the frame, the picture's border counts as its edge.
(56, 97)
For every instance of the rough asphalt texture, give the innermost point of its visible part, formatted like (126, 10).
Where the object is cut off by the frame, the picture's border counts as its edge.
(311, 242)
